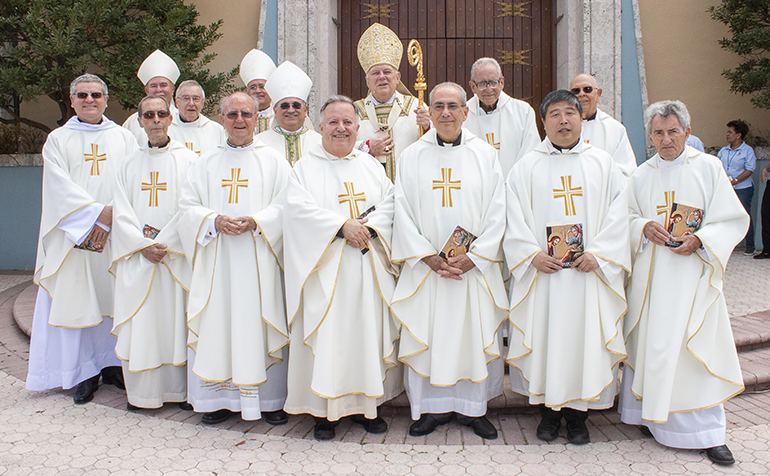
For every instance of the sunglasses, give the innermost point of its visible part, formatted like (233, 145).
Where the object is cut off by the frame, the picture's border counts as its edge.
(586, 89)
(95, 95)
(151, 114)
(285, 105)
(233, 115)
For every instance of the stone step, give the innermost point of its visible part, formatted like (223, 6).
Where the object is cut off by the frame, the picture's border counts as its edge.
(755, 365)
(751, 331)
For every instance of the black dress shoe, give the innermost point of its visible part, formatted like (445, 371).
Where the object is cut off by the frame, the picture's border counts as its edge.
(482, 427)
(212, 418)
(428, 422)
(185, 406)
(577, 432)
(762, 255)
(720, 455)
(132, 408)
(645, 431)
(84, 393)
(278, 417)
(113, 376)
(375, 426)
(548, 429)
(324, 429)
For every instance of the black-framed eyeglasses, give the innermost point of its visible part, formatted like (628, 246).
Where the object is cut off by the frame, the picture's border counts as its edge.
(95, 95)
(484, 84)
(286, 105)
(233, 115)
(586, 89)
(151, 114)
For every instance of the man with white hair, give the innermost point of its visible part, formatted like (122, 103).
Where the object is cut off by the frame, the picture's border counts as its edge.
(194, 130)
(599, 128)
(158, 73)
(71, 342)
(682, 364)
(256, 68)
(507, 124)
(289, 88)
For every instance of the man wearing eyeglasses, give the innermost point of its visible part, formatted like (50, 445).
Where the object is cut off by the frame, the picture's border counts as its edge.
(289, 88)
(194, 130)
(236, 315)
(71, 342)
(507, 124)
(450, 307)
(158, 73)
(151, 273)
(256, 68)
(599, 128)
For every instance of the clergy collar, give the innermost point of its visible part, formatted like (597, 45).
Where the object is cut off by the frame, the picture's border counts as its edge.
(592, 117)
(667, 164)
(449, 144)
(163, 146)
(101, 120)
(493, 109)
(239, 147)
(389, 101)
(76, 124)
(555, 150)
(189, 123)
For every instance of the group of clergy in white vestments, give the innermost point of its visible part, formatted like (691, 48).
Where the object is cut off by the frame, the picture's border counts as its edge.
(263, 268)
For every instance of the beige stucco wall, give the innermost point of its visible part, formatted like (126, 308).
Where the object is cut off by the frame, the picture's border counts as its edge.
(684, 61)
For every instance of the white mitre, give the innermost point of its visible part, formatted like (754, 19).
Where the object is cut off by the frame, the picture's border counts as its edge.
(288, 81)
(158, 64)
(256, 65)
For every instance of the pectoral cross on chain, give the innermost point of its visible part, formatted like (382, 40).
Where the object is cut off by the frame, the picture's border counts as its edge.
(491, 140)
(235, 183)
(352, 198)
(446, 185)
(153, 187)
(191, 146)
(665, 210)
(95, 158)
(568, 194)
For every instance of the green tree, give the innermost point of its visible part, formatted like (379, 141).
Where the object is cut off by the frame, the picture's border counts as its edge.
(749, 23)
(48, 43)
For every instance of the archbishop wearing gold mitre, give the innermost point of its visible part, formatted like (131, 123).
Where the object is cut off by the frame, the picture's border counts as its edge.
(389, 114)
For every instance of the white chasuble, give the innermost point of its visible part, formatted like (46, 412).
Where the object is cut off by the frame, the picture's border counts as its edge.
(450, 327)
(199, 136)
(565, 328)
(236, 314)
(343, 357)
(510, 128)
(396, 120)
(132, 124)
(677, 330)
(291, 145)
(150, 299)
(610, 135)
(70, 340)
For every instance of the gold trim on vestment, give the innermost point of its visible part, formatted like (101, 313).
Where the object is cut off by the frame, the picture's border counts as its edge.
(149, 288)
(42, 240)
(485, 258)
(262, 234)
(693, 410)
(510, 271)
(401, 260)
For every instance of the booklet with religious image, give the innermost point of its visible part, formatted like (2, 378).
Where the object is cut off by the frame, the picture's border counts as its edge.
(366, 213)
(90, 245)
(459, 243)
(684, 220)
(150, 231)
(565, 242)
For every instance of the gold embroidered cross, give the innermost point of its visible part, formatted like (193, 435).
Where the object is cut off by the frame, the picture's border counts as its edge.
(95, 158)
(666, 209)
(153, 188)
(191, 146)
(491, 140)
(352, 198)
(568, 194)
(446, 185)
(234, 183)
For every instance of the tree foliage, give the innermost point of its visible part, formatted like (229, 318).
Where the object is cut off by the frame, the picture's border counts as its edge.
(48, 43)
(749, 23)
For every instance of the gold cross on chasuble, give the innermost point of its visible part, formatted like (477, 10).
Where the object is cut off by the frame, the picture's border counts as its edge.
(95, 158)
(153, 188)
(568, 194)
(352, 198)
(235, 183)
(666, 209)
(491, 140)
(446, 185)
(191, 146)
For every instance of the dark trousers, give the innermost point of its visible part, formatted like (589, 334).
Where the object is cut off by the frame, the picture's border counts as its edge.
(569, 414)
(744, 195)
(766, 219)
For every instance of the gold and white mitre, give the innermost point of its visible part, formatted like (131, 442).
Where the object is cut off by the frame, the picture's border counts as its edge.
(379, 45)
(288, 81)
(158, 64)
(256, 65)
